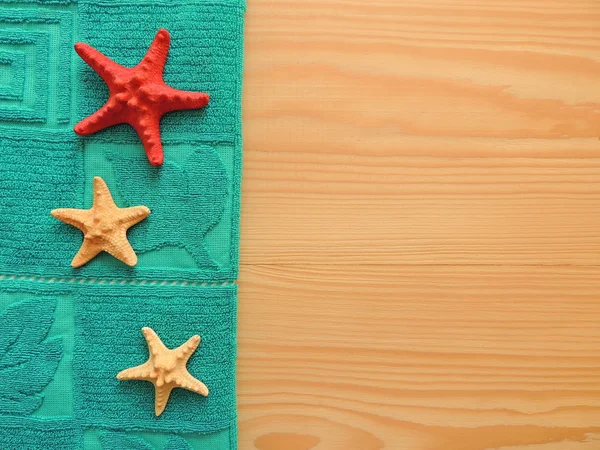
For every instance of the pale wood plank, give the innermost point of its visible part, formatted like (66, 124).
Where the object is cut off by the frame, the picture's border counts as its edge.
(474, 141)
(439, 357)
(468, 226)
(419, 225)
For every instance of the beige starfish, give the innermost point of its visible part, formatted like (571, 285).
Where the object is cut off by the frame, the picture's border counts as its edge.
(104, 226)
(166, 369)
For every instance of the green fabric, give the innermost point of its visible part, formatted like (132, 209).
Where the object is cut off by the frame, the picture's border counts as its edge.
(29, 359)
(108, 440)
(105, 316)
(31, 434)
(13, 76)
(206, 55)
(66, 333)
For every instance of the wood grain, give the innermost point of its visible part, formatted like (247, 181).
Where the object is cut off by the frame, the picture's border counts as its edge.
(420, 245)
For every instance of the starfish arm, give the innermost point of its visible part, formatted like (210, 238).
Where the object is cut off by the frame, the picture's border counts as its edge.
(105, 117)
(186, 381)
(119, 247)
(104, 66)
(128, 217)
(156, 57)
(72, 216)
(148, 128)
(184, 351)
(161, 397)
(141, 372)
(86, 252)
(155, 345)
(175, 99)
(102, 195)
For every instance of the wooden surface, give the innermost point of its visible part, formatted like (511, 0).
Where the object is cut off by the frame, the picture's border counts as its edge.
(421, 225)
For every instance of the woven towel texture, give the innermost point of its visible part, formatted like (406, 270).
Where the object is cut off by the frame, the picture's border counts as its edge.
(31, 434)
(109, 339)
(198, 239)
(106, 322)
(27, 358)
(39, 170)
(109, 440)
(73, 330)
(205, 55)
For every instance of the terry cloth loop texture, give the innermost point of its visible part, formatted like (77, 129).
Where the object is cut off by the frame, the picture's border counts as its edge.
(39, 434)
(80, 327)
(49, 167)
(81, 335)
(109, 339)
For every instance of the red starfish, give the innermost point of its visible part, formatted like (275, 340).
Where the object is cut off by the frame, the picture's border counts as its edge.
(138, 96)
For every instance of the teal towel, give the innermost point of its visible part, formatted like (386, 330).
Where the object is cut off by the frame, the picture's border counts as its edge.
(70, 331)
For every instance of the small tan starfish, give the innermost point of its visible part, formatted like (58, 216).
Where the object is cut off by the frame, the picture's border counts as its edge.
(104, 226)
(166, 369)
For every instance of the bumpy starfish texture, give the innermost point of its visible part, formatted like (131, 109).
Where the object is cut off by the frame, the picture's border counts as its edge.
(166, 369)
(104, 226)
(138, 96)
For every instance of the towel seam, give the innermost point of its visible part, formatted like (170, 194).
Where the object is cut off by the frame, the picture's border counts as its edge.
(114, 281)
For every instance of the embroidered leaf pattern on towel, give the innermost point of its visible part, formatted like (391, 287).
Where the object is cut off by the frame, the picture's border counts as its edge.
(177, 443)
(118, 440)
(27, 360)
(186, 201)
